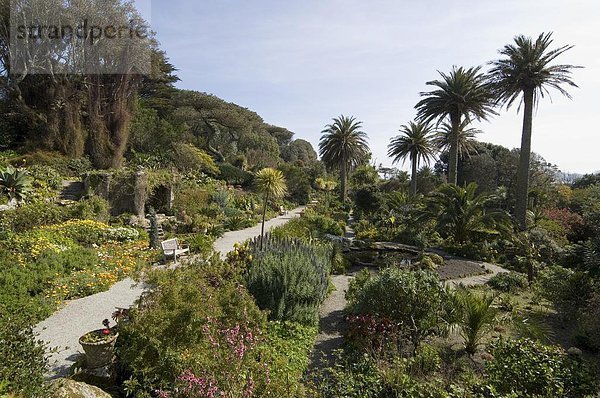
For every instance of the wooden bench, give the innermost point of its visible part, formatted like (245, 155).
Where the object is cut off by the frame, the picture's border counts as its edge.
(171, 247)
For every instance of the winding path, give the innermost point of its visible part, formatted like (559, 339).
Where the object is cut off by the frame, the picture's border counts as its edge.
(61, 331)
(332, 325)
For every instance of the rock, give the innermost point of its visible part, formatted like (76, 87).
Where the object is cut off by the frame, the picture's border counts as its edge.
(67, 388)
(574, 351)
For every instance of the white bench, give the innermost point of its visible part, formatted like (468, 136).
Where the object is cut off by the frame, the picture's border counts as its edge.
(171, 247)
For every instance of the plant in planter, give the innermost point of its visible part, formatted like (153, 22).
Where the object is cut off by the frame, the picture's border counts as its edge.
(99, 345)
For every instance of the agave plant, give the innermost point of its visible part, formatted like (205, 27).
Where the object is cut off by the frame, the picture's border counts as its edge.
(15, 183)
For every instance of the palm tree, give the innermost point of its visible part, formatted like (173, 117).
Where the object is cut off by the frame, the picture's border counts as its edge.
(476, 317)
(461, 95)
(464, 216)
(270, 183)
(343, 145)
(526, 72)
(466, 138)
(414, 143)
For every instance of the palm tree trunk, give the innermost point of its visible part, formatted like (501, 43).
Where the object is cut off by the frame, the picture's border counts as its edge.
(343, 177)
(453, 153)
(262, 229)
(413, 178)
(525, 154)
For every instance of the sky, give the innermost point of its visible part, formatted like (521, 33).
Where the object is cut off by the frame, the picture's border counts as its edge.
(298, 64)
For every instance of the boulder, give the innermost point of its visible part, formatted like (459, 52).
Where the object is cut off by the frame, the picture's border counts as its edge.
(67, 388)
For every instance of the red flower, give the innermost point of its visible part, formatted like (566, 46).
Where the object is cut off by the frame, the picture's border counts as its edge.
(105, 331)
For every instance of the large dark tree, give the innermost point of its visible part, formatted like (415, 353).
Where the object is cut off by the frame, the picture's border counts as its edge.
(526, 72)
(461, 95)
(343, 146)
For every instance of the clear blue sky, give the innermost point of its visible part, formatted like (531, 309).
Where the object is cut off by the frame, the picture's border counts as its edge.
(300, 63)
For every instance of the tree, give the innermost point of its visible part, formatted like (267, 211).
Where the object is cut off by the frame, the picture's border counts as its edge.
(270, 183)
(343, 146)
(466, 139)
(461, 95)
(526, 72)
(415, 142)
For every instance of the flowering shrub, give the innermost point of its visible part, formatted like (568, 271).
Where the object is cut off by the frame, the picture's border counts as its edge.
(570, 221)
(196, 333)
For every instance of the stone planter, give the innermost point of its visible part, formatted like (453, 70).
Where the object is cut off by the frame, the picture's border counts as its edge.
(100, 353)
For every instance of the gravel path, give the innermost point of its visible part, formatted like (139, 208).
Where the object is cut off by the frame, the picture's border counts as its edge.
(478, 280)
(62, 330)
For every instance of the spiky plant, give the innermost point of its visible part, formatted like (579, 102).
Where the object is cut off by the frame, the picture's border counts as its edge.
(271, 184)
(15, 183)
(476, 318)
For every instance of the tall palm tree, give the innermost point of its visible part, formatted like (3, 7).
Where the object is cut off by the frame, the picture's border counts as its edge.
(461, 95)
(466, 138)
(342, 146)
(270, 183)
(526, 72)
(414, 143)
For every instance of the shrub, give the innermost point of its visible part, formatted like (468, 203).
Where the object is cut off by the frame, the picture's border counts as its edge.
(187, 157)
(310, 226)
(351, 378)
(235, 176)
(589, 324)
(200, 244)
(566, 289)
(415, 300)
(526, 368)
(23, 363)
(30, 215)
(199, 323)
(508, 282)
(289, 279)
(91, 208)
(287, 346)
(364, 230)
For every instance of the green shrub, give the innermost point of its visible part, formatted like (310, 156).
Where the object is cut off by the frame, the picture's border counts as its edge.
(23, 364)
(234, 176)
(199, 321)
(589, 322)
(289, 279)
(200, 244)
(566, 289)
(350, 378)
(91, 208)
(186, 157)
(30, 215)
(508, 282)
(364, 230)
(415, 300)
(287, 346)
(526, 368)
